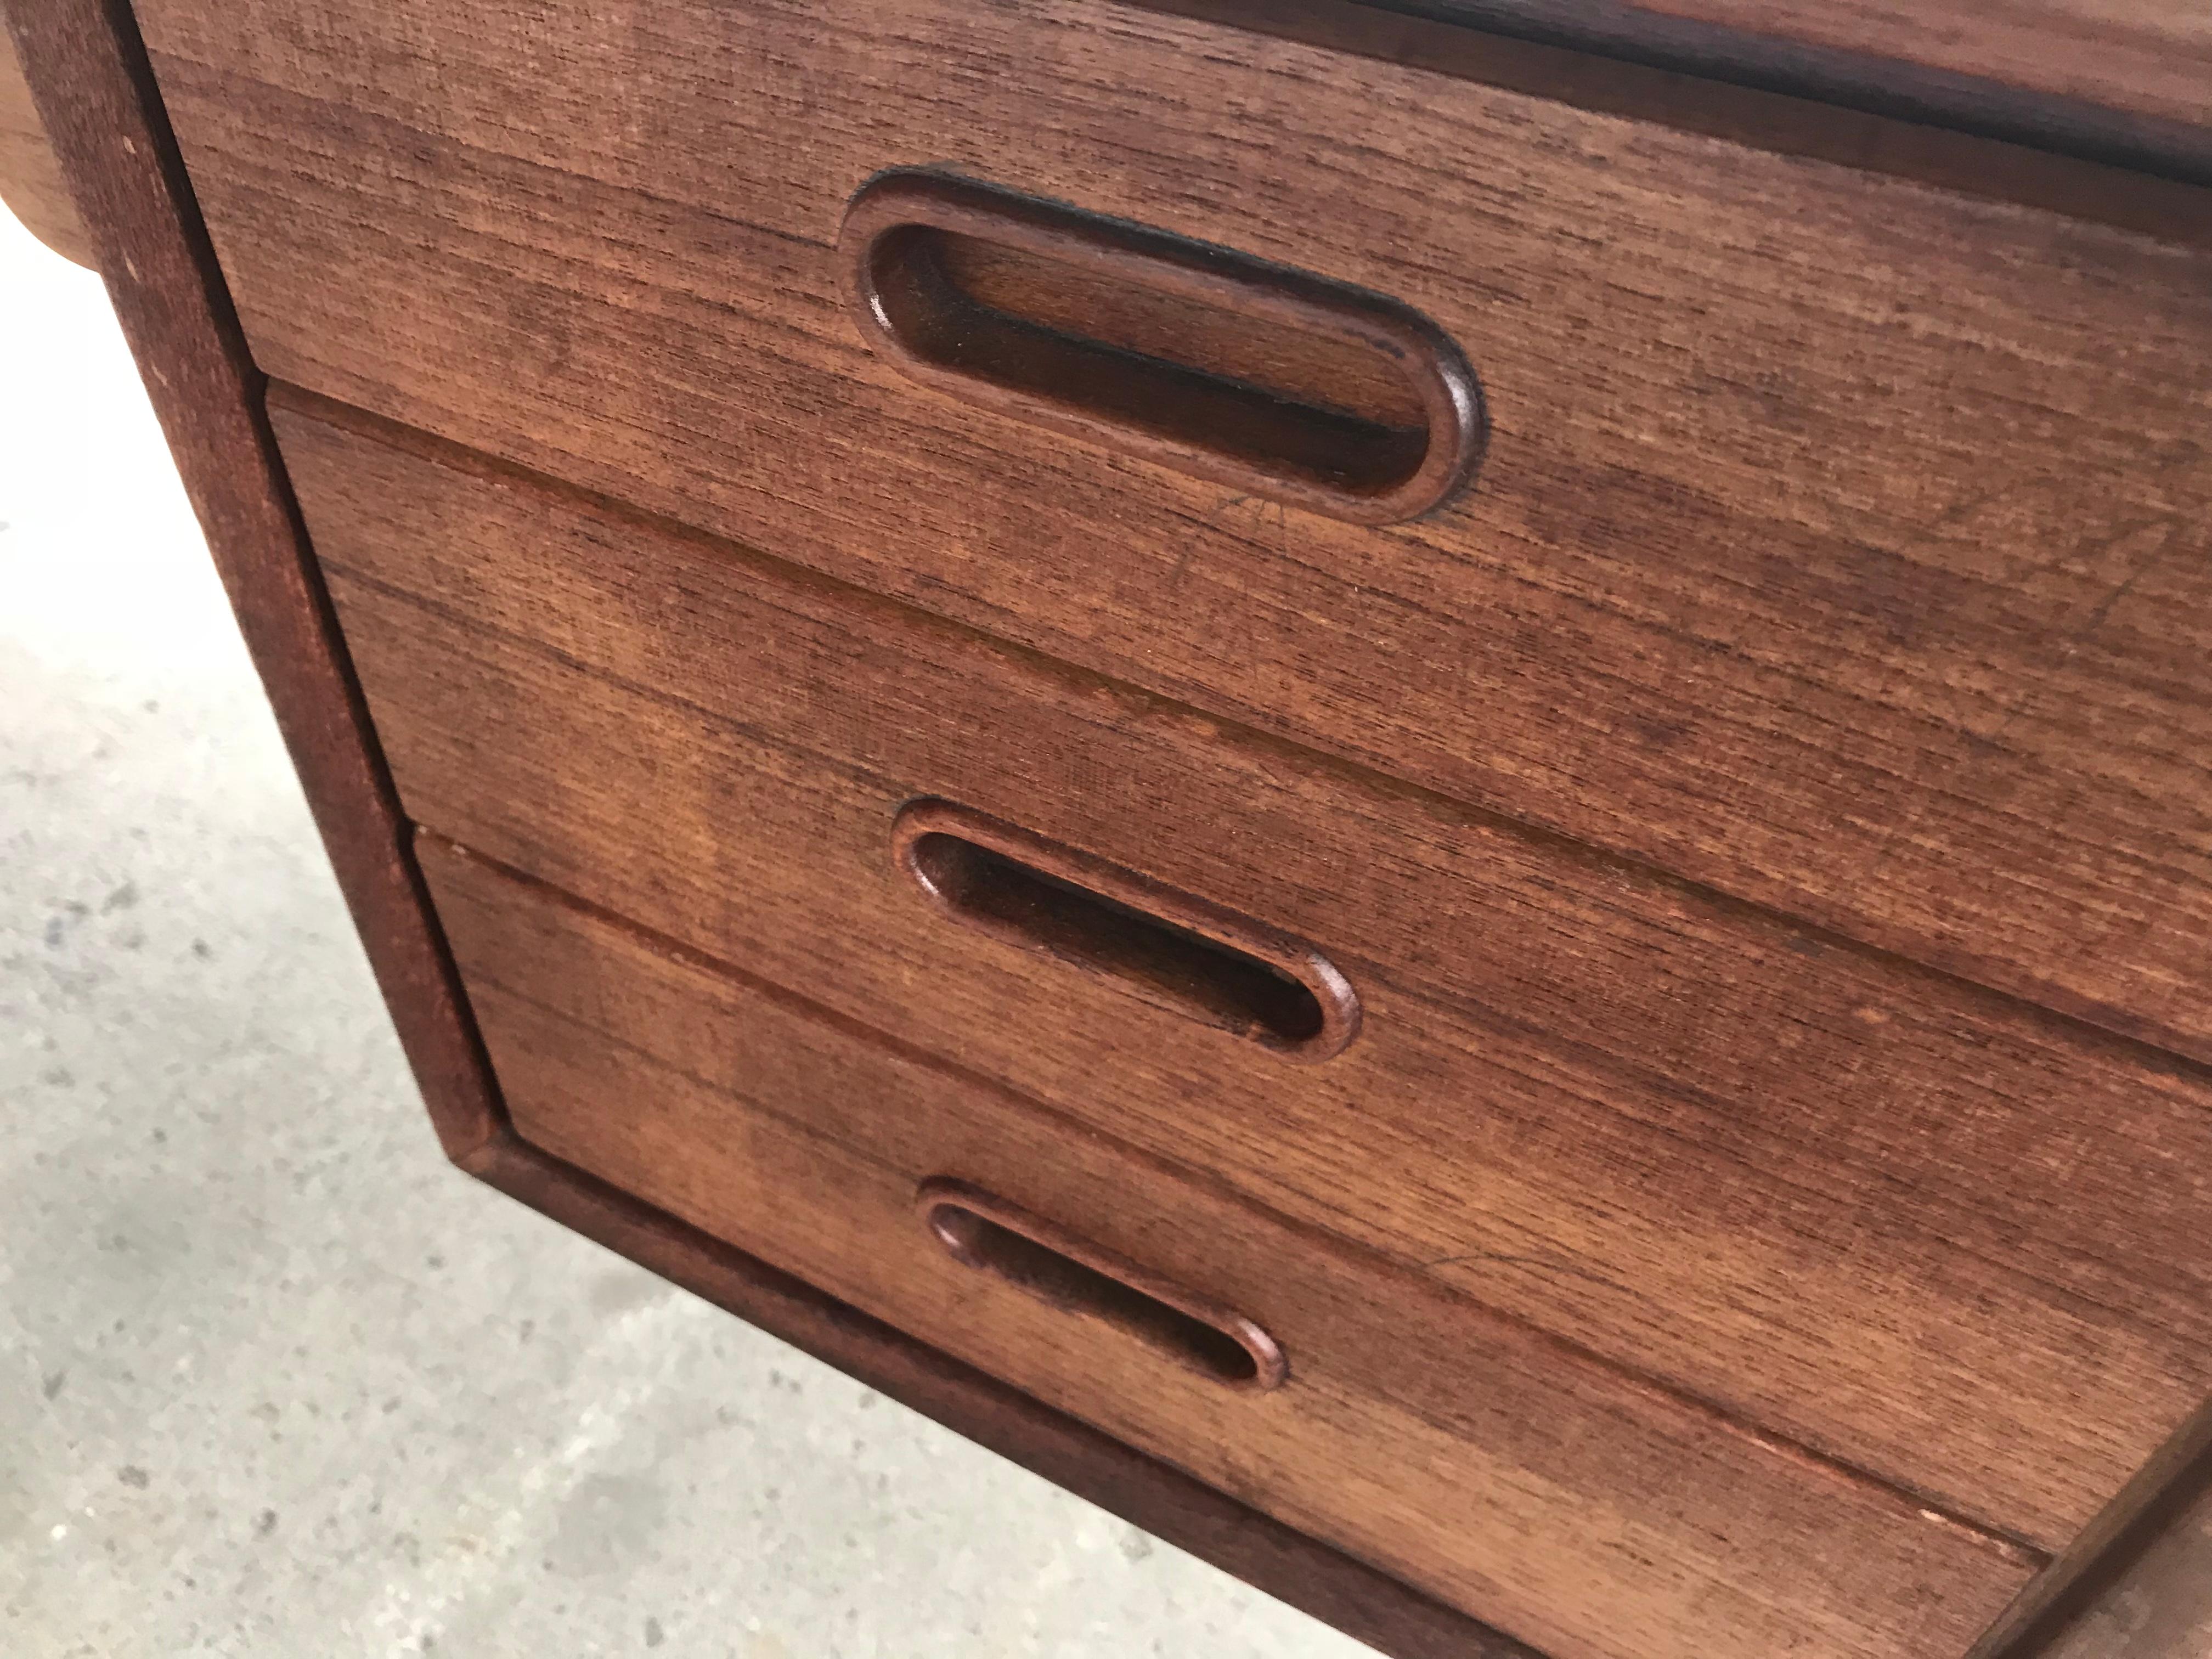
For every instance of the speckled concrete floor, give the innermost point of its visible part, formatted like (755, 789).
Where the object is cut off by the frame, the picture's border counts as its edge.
(273, 1379)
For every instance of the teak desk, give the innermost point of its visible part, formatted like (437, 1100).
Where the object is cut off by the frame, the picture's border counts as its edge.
(1422, 786)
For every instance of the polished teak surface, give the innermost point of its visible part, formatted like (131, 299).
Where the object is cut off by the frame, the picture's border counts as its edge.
(1434, 808)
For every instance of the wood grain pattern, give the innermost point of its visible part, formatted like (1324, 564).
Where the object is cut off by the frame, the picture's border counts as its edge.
(1840, 545)
(87, 70)
(180, 326)
(32, 186)
(2110, 78)
(2151, 58)
(1905, 1221)
(1600, 1520)
(2075, 159)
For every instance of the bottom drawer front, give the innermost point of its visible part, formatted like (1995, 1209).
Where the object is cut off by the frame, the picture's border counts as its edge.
(1537, 1490)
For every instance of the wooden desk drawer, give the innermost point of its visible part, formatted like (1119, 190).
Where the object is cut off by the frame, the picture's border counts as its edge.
(409, 193)
(1841, 541)
(1914, 1226)
(1580, 1511)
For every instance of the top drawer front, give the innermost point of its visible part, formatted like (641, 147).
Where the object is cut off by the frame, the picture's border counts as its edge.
(1841, 542)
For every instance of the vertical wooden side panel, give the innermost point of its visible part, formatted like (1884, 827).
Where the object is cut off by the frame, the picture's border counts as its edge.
(2137, 1583)
(96, 98)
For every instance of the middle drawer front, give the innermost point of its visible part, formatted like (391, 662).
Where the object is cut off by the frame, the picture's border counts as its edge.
(1913, 1226)
(1532, 1488)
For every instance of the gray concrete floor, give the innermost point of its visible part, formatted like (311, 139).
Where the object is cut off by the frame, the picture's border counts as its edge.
(273, 1379)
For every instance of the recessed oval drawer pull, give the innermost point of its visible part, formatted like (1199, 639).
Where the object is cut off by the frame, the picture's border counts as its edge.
(984, 1231)
(1210, 963)
(1273, 381)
